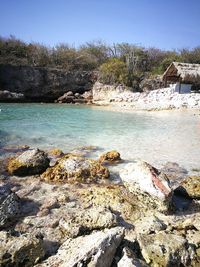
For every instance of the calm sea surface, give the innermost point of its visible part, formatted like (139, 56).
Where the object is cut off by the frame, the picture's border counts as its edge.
(156, 137)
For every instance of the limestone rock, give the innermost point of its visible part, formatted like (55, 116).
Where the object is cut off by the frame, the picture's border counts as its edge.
(55, 152)
(90, 219)
(164, 98)
(10, 96)
(30, 162)
(192, 222)
(190, 187)
(87, 95)
(111, 156)
(189, 227)
(148, 84)
(149, 185)
(69, 97)
(129, 260)
(149, 224)
(66, 98)
(96, 249)
(10, 206)
(113, 197)
(164, 249)
(20, 250)
(44, 84)
(73, 168)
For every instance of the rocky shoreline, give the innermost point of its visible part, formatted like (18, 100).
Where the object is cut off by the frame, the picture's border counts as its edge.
(160, 99)
(61, 209)
(83, 88)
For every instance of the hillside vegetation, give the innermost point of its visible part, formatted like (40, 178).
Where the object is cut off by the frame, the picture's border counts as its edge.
(117, 63)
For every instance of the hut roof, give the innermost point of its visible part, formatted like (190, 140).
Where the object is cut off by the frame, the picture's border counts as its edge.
(183, 70)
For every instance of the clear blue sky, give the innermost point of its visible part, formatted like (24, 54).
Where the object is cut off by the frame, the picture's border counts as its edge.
(166, 24)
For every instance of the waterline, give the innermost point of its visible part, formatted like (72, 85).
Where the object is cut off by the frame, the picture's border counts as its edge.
(156, 137)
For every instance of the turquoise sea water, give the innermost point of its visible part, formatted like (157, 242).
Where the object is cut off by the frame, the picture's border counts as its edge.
(156, 137)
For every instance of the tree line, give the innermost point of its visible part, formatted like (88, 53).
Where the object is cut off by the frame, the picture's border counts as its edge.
(117, 63)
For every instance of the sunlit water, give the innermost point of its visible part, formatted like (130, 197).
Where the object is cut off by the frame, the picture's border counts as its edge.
(156, 137)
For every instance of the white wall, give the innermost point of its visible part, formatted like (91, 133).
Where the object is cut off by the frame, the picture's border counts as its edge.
(184, 89)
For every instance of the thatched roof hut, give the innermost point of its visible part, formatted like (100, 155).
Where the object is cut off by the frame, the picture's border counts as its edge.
(182, 72)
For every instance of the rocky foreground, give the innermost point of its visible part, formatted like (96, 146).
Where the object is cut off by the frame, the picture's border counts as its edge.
(61, 209)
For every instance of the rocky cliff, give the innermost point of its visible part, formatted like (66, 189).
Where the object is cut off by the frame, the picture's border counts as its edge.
(43, 84)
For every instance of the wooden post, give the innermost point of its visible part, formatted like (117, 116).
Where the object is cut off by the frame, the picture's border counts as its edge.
(165, 81)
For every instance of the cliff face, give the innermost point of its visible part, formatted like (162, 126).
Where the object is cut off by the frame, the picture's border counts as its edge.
(43, 84)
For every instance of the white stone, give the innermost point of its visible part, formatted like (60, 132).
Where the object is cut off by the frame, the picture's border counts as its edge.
(140, 173)
(97, 249)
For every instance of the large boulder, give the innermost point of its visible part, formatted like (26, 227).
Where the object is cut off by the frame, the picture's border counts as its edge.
(66, 98)
(31, 162)
(10, 207)
(151, 187)
(73, 168)
(23, 250)
(94, 218)
(96, 249)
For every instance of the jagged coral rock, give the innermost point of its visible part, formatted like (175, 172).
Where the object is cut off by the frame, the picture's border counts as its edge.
(87, 220)
(114, 197)
(10, 206)
(129, 260)
(73, 168)
(167, 249)
(96, 249)
(30, 162)
(24, 250)
(191, 186)
(56, 152)
(111, 156)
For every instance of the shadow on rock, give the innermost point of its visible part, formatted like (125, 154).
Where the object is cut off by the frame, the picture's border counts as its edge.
(29, 207)
(50, 247)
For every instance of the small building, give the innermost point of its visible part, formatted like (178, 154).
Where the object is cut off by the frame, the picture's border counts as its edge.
(181, 76)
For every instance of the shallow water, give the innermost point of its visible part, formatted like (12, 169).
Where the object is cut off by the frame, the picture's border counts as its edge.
(156, 137)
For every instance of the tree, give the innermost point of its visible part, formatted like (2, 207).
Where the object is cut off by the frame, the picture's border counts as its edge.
(113, 71)
(96, 51)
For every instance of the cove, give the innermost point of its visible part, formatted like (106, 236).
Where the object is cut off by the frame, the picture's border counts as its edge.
(156, 137)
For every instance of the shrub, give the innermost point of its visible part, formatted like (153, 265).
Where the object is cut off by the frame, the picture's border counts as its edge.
(113, 71)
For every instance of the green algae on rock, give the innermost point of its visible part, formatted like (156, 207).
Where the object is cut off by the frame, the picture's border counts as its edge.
(30, 162)
(74, 168)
